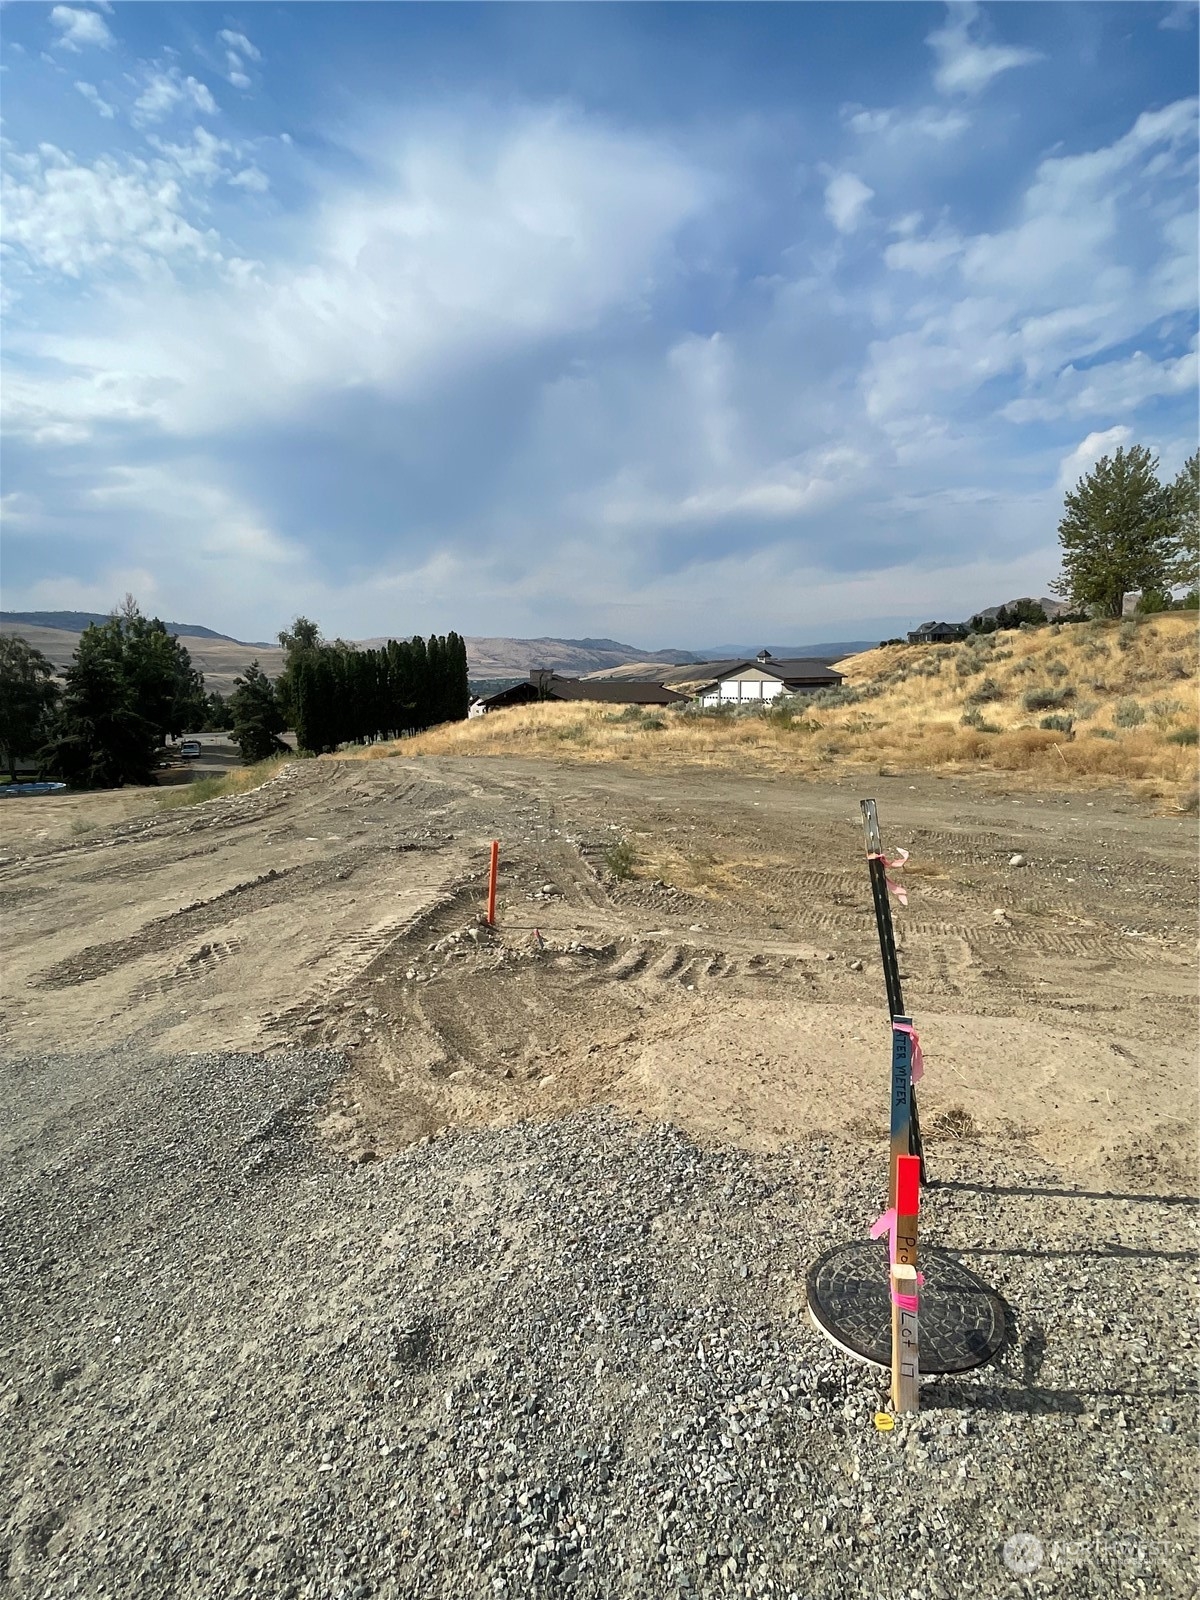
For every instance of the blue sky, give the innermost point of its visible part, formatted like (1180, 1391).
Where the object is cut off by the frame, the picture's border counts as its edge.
(679, 324)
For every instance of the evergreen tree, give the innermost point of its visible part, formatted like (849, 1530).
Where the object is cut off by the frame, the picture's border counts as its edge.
(129, 685)
(100, 739)
(1118, 532)
(256, 714)
(28, 695)
(1185, 518)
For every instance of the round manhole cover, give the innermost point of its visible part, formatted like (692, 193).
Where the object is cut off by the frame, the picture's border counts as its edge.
(962, 1321)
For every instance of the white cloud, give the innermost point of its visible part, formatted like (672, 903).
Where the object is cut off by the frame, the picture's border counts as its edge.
(897, 126)
(846, 198)
(214, 522)
(72, 218)
(965, 64)
(240, 43)
(924, 256)
(90, 93)
(1086, 454)
(165, 90)
(79, 28)
(1088, 263)
(238, 50)
(460, 251)
(1112, 388)
(1179, 17)
(251, 178)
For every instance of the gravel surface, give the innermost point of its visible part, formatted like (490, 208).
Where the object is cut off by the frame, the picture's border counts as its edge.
(561, 1358)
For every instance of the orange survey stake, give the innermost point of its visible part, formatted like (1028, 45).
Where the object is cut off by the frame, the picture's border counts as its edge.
(491, 911)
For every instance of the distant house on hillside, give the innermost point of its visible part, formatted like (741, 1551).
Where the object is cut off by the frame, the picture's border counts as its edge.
(938, 633)
(551, 686)
(735, 682)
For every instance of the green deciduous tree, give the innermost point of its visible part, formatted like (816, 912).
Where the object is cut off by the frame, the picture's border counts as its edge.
(256, 714)
(1118, 532)
(28, 696)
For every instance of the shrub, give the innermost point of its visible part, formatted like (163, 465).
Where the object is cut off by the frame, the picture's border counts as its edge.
(1085, 709)
(652, 724)
(1127, 634)
(1165, 711)
(1057, 670)
(1184, 736)
(843, 695)
(620, 859)
(1102, 733)
(983, 693)
(1059, 724)
(974, 719)
(1046, 699)
(1128, 714)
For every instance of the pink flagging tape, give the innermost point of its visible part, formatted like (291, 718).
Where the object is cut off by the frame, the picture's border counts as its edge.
(886, 1224)
(907, 1302)
(897, 889)
(917, 1071)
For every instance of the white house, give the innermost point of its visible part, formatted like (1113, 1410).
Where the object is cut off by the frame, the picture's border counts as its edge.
(739, 682)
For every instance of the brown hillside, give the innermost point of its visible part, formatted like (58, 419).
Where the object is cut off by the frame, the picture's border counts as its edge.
(1122, 696)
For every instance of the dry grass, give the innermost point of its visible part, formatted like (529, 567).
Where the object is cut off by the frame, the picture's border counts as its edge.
(907, 710)
(236, 781)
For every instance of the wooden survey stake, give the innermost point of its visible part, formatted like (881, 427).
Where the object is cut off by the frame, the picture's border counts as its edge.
(906, 1360)
(492, 866)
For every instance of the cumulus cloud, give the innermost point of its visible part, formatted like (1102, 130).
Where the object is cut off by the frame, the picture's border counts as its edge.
(1086, 264)
(846, 198)
(1085, 455)
(455, 252)
(479, 333)
(78, 29)
(965, 64)
(72, 218)
(165, 90)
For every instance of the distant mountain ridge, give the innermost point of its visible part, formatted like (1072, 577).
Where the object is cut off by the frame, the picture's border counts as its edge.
(77, 621)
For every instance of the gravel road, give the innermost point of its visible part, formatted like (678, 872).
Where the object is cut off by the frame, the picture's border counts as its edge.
(559, 1358)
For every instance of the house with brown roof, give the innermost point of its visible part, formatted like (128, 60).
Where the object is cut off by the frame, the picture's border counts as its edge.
(547, 685)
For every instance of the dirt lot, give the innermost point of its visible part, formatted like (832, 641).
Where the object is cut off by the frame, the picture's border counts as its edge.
(732, 986)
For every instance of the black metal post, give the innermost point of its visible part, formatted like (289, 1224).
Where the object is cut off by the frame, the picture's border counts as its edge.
(887, 949)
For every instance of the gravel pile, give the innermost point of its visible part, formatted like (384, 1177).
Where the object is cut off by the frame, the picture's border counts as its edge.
(559, 1359)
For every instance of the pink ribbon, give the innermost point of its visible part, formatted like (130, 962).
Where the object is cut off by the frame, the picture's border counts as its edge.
(887, 1224)
(917, 1069)
(897, 889)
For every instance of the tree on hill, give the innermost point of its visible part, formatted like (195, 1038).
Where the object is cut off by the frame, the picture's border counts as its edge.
(28, 696)
(100, 738)
(256, 715)
(130, 684)
(1118, 532)
(1185, 496)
